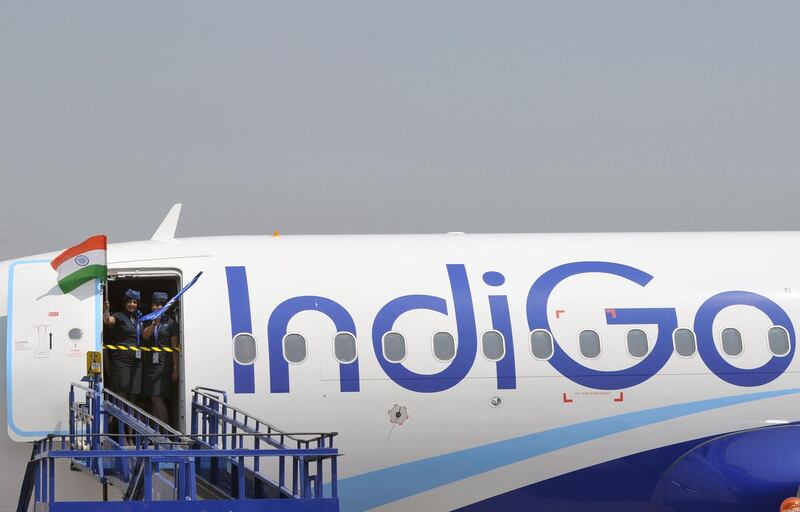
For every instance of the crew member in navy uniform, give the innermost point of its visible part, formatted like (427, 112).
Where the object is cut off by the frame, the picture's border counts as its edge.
(124, 331)
(160, 368)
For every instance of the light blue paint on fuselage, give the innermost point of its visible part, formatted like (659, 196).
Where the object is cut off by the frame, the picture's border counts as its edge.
(376, 488)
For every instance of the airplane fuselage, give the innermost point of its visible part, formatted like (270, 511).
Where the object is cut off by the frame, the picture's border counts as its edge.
(486, 371)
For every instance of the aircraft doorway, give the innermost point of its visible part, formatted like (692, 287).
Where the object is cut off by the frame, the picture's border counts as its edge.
(147, 363)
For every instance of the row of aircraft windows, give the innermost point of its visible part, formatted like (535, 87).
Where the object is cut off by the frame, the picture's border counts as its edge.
(394, 347)
(493, 345)
(638, 345)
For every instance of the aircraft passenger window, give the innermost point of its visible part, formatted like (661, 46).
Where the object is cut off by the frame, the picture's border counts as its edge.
(394, 347)
(444, 346)
(344, 347)
(589, 342)
(493, 346)
(244, 348)
(294, 348)
(685, 344)
(778, 341)
(637, 343)
(541, 344)
(731, 341)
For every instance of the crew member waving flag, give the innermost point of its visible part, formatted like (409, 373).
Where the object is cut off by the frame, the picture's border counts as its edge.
(82, 263)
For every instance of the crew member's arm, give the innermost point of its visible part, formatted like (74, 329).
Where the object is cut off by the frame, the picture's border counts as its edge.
(147, 333)
(108, 319)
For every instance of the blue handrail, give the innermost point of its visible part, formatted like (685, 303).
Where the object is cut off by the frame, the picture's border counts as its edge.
(154, 455)
(217, 424)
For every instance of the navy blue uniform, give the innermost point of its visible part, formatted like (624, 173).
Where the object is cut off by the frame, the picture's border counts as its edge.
(124, 363)
(157, 374)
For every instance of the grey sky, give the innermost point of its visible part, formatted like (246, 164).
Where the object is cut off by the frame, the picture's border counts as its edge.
(407, 117)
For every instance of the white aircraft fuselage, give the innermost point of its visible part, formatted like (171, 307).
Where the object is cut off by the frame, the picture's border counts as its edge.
(534, 372)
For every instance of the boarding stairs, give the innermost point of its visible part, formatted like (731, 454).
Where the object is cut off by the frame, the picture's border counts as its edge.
(230, 461)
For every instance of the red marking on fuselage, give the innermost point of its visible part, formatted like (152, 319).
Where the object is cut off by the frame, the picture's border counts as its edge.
(612, 313)
(560, 312)
(565, 399)
(52, 313)
(620, 398)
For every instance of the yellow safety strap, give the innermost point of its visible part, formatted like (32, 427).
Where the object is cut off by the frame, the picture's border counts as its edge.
(142, 349)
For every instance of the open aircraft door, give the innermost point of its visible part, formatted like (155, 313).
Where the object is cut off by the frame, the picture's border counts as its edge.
(49, 333)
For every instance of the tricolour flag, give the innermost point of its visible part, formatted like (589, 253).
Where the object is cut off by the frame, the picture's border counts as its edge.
(82, 263)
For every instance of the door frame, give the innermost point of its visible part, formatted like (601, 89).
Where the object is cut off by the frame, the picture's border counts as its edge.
(127, 272)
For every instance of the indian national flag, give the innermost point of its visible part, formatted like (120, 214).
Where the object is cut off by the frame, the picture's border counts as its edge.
(82, 263)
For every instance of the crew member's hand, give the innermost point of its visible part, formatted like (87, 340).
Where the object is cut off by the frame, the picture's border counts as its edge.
(107, 318)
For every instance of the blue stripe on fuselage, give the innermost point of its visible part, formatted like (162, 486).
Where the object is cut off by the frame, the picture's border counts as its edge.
(376, 488)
